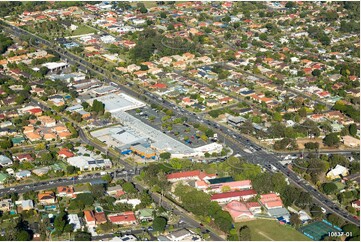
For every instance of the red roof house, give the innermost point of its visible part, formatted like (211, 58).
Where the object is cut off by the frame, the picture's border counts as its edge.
(65, 153)
(126, 218)
(233, 196)
(189, 175)
(271, 200)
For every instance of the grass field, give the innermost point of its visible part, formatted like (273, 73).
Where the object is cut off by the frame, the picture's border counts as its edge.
(262, 229)
(82, 30)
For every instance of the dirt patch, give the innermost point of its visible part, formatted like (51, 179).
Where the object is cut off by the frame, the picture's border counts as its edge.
(301, 142)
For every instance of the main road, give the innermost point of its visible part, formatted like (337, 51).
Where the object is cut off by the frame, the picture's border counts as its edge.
(234, 141)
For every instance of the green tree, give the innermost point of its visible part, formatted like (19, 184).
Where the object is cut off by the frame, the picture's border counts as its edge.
(108, 178)
(6, 143)
(352, 129)
(128, 187)
(60, 222)
(97, 190)
(82, 236)
(295, 220)
(331, 140)
(245, 233)
(316, 211)
(277, 117)
(70, 169)
(159, 224)
(329, 187)
(22, 235)
(165, 155)
(352, 230)
(335, 220)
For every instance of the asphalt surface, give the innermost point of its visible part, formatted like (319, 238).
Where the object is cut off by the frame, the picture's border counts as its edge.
(258, 156)
(49, 184)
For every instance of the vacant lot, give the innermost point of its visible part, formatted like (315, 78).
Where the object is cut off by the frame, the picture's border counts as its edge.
(262, 229)
(81, 30)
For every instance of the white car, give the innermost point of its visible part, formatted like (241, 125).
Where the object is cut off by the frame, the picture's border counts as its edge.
(323, 210)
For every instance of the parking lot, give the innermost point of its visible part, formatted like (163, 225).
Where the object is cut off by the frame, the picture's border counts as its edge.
(179, 131)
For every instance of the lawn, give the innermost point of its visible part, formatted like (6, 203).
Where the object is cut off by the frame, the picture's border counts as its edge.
(81, 30)
(262, 229)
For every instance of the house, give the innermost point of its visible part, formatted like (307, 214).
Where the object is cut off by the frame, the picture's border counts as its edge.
(64, 135)
(100, 218)
(22, 174)
(233, 185)
(126, 218)
(350, 141)
(233, 196)
(354, 204)
(74, 220)
(189, 175)
(65, 191)
(134, 202)
(182, 235)
(5, 161)
(145, 214)
(35, 111)
(65, 153)
(24, 205)
(89, 218)
(46, 197)
(6, 205)
(49, 136)
(238, 211)
(254, 207)
(337, 172)
(271, 200)
(33, 136)
(47, 121)
(116, 191)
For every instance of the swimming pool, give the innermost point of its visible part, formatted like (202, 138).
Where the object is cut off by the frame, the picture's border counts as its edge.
(98, 209)
(50, 207)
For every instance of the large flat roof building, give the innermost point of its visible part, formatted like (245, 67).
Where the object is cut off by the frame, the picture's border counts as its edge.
(116, 102)
(89, 163)
(119, 137)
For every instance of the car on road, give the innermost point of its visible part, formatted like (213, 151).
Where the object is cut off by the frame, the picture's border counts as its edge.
(150, 228)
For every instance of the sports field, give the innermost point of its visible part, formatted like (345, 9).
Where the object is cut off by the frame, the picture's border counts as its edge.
(318, 230)
(262, 229)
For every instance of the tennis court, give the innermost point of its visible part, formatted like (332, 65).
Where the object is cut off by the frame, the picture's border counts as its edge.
(318, 230)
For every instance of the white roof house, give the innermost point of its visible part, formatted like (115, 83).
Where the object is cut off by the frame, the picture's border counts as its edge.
(22, 174)
(5, 161)
(25, 204)
(134, 202)
(337, 172)
(107, 39)
(74, 221)
(55, 65)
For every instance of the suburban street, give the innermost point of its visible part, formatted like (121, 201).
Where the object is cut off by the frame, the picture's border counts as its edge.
(49, 184)
(237, 143)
